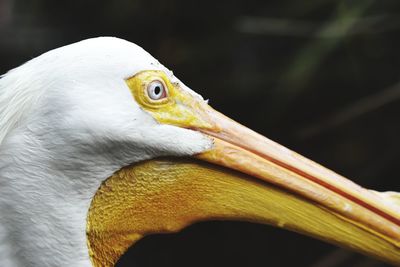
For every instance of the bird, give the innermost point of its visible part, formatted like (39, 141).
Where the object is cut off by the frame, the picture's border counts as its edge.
(101, 145)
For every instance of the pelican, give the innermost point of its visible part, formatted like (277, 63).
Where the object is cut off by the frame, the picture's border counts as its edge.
(100, 145)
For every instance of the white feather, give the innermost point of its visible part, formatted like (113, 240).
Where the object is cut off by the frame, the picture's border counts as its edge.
(67, 122)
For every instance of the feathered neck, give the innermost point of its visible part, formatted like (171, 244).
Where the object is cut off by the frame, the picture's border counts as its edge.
(20, 91)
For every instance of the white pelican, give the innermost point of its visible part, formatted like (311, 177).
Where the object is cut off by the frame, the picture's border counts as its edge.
(100, 145)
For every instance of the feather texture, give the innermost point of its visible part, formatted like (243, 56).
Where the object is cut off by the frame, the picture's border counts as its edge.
(67, 122)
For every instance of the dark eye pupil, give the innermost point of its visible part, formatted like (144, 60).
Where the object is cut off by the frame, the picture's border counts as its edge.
(157, 90)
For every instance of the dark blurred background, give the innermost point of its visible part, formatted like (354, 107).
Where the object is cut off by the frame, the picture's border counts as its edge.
(321, 77)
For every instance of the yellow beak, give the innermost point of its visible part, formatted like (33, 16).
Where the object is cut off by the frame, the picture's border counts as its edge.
(378, 214)
(244, 176)
(240, 148)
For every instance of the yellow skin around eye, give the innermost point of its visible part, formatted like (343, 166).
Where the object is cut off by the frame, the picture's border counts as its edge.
(179, 108)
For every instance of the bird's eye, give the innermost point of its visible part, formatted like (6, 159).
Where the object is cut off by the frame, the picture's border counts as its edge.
(156, 90)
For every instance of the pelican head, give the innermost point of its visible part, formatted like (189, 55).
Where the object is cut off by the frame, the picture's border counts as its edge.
(101, 145)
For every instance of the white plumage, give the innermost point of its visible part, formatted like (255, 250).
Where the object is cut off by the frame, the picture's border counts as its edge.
(67, 122)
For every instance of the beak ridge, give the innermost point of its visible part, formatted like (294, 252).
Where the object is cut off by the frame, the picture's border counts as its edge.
(244, 150)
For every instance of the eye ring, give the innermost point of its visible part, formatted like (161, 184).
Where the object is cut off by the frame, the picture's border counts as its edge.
(156, 90)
